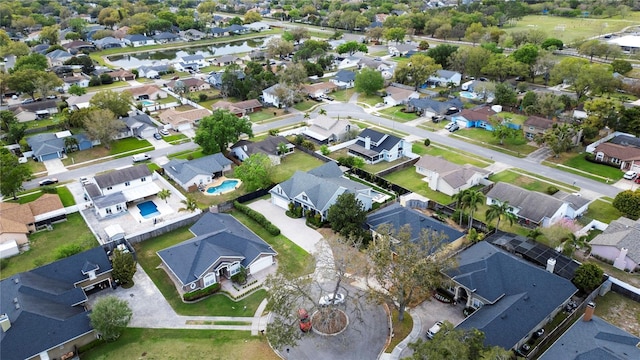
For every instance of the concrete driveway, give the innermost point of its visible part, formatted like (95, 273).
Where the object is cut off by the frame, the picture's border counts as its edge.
(54, 166)
(294, 229)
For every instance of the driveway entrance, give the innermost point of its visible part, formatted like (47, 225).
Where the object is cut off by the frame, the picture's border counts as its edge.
(54, 166)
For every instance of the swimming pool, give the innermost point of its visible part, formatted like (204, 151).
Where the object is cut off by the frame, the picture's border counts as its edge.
(226, 185)
(468, 95)
(148, 209)
(147, 102)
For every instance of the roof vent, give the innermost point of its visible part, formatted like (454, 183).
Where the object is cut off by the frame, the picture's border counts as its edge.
(16, 280)
(17, 306)
(526, 298)
(503, 316)
(15, 300)
(5, 323)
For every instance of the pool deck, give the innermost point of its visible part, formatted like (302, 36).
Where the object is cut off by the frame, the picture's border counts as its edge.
(217, 182)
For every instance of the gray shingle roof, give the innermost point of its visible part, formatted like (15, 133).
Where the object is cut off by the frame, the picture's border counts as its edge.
(267, 146)
(533, 205)
(345, 76)
(439, 107)
(185, 170)
(622, 233)
(453, 174)
(626, 140)
(218, 236)
(121, 176)
(379, 141)
(519, 295)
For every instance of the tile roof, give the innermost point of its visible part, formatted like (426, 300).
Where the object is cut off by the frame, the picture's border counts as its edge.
(532, 205)
(121, 176)
(10, 226)
(622, 233)
(185, 170)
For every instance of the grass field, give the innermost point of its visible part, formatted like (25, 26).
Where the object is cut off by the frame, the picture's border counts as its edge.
(453, 155)
(619, 311)
(411, 180)
(602, 211)
(395, 113)
(290, 163)
(579, 162)
(522, 181)
(118, 147)
(513, 146)
(154, 344)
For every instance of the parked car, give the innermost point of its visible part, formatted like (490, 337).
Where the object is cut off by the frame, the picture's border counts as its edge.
(48, 181)
(630, 175)
(437, 118)
(434, 329)
(164, 132)
(637, 180)
(452, 126)
(331, 298)
(157, 136)
(538, 334)
(140, 157)
(305, 321)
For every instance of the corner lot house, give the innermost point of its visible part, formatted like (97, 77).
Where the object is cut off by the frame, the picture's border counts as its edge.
(374, 146)
(512, 298)
(222, 247)
(622, 150)
(326, 130)
(183, 120)
(449, 178)
(318, 189)
(243, 149)
(399, 96)
(43, 311)
(620, 243)
(344, 79)
(192, 174)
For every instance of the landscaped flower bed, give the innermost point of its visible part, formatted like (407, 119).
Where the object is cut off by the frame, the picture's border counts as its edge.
(443, 296)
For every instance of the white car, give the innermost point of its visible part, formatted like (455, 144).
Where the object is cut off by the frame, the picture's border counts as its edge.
(630, 175)
(434, 330)
(331, 298)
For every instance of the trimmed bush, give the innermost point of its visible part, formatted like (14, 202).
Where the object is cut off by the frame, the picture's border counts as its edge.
(257, 217)
(552, 190)
(198, 294)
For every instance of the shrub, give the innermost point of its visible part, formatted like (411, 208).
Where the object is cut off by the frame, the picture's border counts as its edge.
(257, 217)
(202, 97)
(273, 132)
(67, 250)
(552, 190)
(324, 149)
(240, 277)
(427, 142)
(198, 294)
(309, 145)
(49, 190)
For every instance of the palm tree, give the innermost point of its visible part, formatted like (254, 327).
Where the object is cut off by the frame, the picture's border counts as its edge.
(164, 194)
(472, 199)
(534, 233)
(70, 144)
(307, 116)
(322, 112)
(574, 242)
(459, 198)
(499, 211)
(190, 204)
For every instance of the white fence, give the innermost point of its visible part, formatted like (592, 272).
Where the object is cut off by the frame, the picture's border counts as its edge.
(591, 148)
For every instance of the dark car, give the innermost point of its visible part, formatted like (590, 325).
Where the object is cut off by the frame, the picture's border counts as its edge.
(452, 110)
(48, 181)
(157, 136)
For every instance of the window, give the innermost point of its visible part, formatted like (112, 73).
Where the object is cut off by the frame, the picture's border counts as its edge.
(143, 179)
(127, 183)
(209, 279)
(305, 198)
(118, 207)
(235, 268)
(476, 303)
(108, 211)
(109, 187)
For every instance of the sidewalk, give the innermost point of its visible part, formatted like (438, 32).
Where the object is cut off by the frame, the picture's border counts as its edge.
(413, 336)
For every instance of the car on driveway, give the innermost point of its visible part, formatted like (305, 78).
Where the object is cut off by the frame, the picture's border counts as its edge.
(630, 175)
(48, 181)
(331, 298)
(157, 136)
(164, 132)
(434, 329)
(452, 126)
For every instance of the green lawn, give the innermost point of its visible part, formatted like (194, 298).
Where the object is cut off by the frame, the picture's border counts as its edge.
(395, 113)
(453, 155)
(114, 85)
(44, 244)
(136, 343)
(65, 196)
(177, 138)
(343, 95)
(579, 162)
(265, 115)
(35, 166)
(290, 163)
(410, 179)
(193, 154)
(400, 329)
(602, 211)
(305, 105)
(128, 144)
(513, 118)
(516, 146)
(382, 165)
(523, 181)
(169, 99)
(370, 100)
(117, 148)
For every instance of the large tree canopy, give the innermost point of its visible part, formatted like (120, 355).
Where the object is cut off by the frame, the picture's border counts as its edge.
(119, 103)
(216, 131)
(110, 316)
(347, 215)
(255, 172)
(416, 71)
(13, 173)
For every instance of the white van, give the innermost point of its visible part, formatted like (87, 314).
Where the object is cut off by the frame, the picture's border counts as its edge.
(140, 157)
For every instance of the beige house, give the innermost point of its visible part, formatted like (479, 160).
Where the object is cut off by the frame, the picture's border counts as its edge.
(151, 92)
(183, 120)
(325, 130)
(449, 178)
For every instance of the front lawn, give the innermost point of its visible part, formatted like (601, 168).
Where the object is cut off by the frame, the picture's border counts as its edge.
(513, 146)
(265, 115)
(400, 329)
(579, 162)
(602, 211)
(130, 146)
(177, 138)
(370, 100)
(395, 113)
(343, 95)
(44, 245)
(65, 196)
(136, 343)
(187, 154)
(453, 155)
(410, 179)
(35, 166)
(539, 184)
(305, 105)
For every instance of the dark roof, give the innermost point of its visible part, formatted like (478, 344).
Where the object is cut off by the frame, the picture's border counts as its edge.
(345, 76)
(518, 295)
(137, 37)
(532, 205)
(36, 106)
(185, 170)
(595, 339)
(121, 176)
(626, 140)
(538, 122)
(236, 27)
(439, 107)
(379, 142)
(44, 307)
(398, 216)
(165, 35)
(267, 146)
(217, 236)
(48, 143)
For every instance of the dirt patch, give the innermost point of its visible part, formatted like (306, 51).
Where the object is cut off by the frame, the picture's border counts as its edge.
(619, 311)
(329, 321)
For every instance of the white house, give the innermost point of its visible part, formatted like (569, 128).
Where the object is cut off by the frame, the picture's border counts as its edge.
(445, 77)
(449, 178)
(374, 147)
(325, 130)
(348, 62)
(344, 79)
(399, 95)
(257, 26)
(269, 96)
(190, 62)
(137, 40)
(197, 173)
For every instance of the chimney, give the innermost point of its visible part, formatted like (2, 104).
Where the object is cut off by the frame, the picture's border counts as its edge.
(588, 312)
(551, 265)
(5, 323)
(367, 143)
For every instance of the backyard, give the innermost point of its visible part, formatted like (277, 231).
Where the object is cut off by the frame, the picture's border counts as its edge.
(602, 211)
(620, 311)
(410, 179)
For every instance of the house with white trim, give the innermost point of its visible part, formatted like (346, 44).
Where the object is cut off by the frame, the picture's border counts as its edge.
(619, 243)
(373, 147)
(196, 173)
(447, 177)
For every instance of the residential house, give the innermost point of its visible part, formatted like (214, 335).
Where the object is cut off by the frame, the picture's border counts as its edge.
(121, 75)
(58, 57)
(318, 189)
(78, 46)
(140, 126)
(619, 243)
(447, 177)
(536, 208)
(218, 32)
(153, 71)
(443, 78)
(215, 78)
(398, 216)
(81, 80)
(269, 96)
(479, 117)
(13, 234)
(270, 146)
(80, 102)
(166, 37)
(344, 79)
(326, 130)
(44, 312)
(621, 150)
(35, 110)
(401, 49)
(225, 60)
(49, 146)
(147, 92)
(193, 34)
(347, 62)
(318, 90)
(374, 146)
(257, 26)
(197, 173)
(429, 107)
(593, 338)
(192, 84)
(137, 40)
(191, 62)
(183, 120)
(108, 42)
(237, 29)
(222, 247)
(112, 191)
(512, 297)
(397, 95)
(536, 125)
(386, 69)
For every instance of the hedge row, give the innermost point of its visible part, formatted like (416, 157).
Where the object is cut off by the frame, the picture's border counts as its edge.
(195, 295)
(257, 217)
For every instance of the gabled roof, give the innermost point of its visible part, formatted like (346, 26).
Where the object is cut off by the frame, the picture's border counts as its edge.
(236, 27)
(48, 143)
(518, 295)
(121, 176)
(218, 237)
(165, 36)
(533, 205)
(191, 58)
(480, 113)
(618, 151)
(35, 106)
(626, 140)
(446, 74)
(175, 117)
(379, 141)
(137, 37)
(323, 127)
(453, 174)
(268, 146)
(595, 339)
(398, 216)
(345, 76)
(107, 40)
(45, 203)
(225, 58)
(538, 122)
(398, 93)
(144, 90)
(622, 233)
(439, 107)
(59, 54)
(185, 170)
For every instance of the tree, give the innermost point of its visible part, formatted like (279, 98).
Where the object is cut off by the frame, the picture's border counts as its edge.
(505, 95)
(110, 316)
(588, 276)
(293, 75)
(461, 344)
(164, 194)
(395, 34)
(32, 61)
(621, 66)
(500, 67)
(70, 144)
(190, 204)
(416, 71)
(351, 47)
(50, 34)
(286, 94)
(252, 16)
(374, 34)
(87, 64)
(7, 118)
(347, 216)
(474, 32)
(552, 43)
(278, 48)
(441, 54)
(404, 266)
(592, 48)
(559, 138)
(471, 200)
(470, 60)
(460, 204)
(216, 131)
(24, 81)
(574, 242)
(369, 81)
(627, 202)
(255, 172)
(46, 83)
(77, 90)
(13, 173)
(124, 267)
(119, 103)
(527, 54)
(499, 211)
(102, 125)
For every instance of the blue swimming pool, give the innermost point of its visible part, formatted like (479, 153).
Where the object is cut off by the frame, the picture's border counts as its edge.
(226, 185)
(147, 102)
(148, 209)
(468, 95)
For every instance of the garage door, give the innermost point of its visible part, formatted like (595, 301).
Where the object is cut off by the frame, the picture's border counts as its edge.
(49, 157)
(635, 168)
(280, 202)
(184, 127)
(261, 264)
